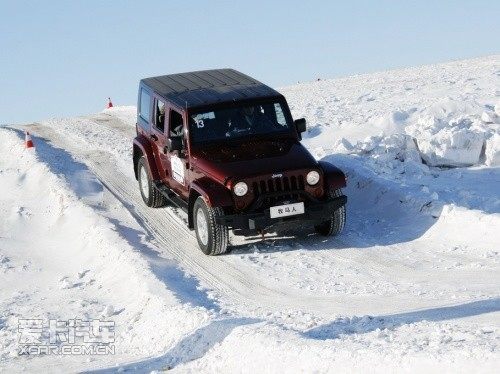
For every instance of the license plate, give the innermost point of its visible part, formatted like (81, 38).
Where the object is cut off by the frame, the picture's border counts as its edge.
(286, 210)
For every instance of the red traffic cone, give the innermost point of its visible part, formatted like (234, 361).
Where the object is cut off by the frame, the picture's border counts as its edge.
(28, 142)
(110, 104)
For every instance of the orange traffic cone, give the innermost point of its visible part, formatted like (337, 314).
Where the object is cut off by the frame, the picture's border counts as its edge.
(28, 142)
(110, 104)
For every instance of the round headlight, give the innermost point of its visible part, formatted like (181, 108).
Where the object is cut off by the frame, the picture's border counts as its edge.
(240, 189)
(312, 177)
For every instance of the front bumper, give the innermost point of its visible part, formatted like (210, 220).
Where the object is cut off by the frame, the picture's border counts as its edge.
(317, 211)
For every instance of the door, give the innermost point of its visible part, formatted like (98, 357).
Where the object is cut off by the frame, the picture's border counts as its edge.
(159, 138)
(178, 160)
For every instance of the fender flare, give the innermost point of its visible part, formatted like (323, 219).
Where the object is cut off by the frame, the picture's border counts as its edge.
(334, 177)
(142, 147)
(214, 193)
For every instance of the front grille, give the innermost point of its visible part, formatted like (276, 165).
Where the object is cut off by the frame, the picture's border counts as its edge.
(287, 185)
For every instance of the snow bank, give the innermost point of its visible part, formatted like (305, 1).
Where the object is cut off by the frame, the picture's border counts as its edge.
(393, 154)
(127, 114)
(99, 138)
(493, 150)
(451, 110)
(60, 259)
(450, 133)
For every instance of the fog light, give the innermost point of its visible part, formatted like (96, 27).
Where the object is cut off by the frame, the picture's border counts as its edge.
(312, 177)
(240, 189)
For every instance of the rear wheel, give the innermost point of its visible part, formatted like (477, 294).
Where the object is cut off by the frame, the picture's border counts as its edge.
(212, 237)
(336, 223)
(150, 195)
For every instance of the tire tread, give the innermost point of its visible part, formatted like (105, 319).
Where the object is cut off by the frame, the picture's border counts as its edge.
(336, 223)
(219, 234)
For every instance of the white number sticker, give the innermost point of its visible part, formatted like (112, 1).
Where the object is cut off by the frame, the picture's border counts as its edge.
(177, 169)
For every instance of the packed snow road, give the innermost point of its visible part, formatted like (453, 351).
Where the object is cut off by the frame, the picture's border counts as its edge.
(412, 283)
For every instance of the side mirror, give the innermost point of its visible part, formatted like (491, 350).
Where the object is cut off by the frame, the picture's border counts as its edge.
(174, 144)
(300, 125)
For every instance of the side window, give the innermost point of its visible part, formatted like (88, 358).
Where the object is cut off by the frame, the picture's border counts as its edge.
(280, 117)
(144, 105)
(159, 118)
(175, 124)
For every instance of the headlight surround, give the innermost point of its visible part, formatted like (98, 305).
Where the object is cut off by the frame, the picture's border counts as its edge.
(240, 189)
(312, 177)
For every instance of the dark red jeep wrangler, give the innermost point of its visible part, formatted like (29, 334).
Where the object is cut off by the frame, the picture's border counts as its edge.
(224, 147)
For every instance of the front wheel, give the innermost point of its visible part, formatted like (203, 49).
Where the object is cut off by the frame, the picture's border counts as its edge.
(212, 237)
(336, 223)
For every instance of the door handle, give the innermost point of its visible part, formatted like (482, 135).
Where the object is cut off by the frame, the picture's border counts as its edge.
(154, 137)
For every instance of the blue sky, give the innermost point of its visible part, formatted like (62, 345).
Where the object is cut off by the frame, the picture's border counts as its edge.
(60, 58)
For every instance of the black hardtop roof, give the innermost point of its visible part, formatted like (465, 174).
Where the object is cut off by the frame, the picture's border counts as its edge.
(205, 87)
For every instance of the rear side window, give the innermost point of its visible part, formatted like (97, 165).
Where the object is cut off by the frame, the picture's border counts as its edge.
(280, 117)
(144, 105)
(159, 118)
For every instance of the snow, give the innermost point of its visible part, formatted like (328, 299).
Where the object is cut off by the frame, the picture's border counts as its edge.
(127, 114)
(450, 113)
(60, 259)
(493, 150)
(411, 285)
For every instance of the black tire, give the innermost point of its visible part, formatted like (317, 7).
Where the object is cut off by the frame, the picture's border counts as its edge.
(216, 237)
(336, 223)
(150, 195)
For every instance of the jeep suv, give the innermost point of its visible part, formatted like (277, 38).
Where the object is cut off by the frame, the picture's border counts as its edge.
(224, 147)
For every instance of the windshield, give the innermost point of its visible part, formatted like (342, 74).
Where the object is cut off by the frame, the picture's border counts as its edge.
(238, 122)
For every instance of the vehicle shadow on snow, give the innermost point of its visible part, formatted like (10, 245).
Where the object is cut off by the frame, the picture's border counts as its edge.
(191, 347)
(380, 211)
(361, 325)
(87, 187)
